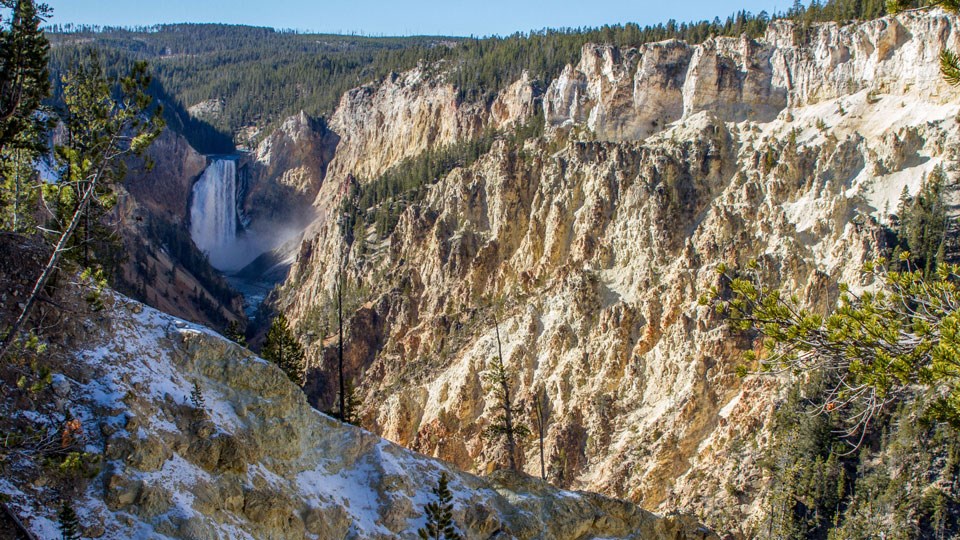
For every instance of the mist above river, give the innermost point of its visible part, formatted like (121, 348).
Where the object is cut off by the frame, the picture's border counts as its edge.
(215, 226)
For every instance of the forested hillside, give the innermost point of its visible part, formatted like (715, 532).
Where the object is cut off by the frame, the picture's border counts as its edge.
(258, 75)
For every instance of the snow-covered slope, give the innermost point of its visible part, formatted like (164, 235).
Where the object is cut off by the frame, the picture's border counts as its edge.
(255, 461)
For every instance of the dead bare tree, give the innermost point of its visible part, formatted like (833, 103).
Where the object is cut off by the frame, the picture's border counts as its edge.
(541, 415)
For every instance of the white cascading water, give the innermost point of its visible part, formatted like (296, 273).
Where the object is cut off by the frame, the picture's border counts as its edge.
(213, 214)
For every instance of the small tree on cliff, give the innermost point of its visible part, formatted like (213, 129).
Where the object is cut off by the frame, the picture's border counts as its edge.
(282, 348)
(69, 523)
(236, 333)
(440, 524)
(351, 404)
(506, 425)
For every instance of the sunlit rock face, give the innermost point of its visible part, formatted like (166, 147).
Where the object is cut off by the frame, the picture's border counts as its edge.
(287, 170)
(593, 244)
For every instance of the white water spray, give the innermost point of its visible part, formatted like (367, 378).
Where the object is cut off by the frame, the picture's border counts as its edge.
(213, 214)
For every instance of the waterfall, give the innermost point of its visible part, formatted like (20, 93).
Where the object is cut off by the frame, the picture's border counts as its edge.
(213, 214)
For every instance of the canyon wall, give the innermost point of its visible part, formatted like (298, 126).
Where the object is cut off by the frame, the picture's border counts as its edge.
(277, 185)
(592, 244)
(288, 169)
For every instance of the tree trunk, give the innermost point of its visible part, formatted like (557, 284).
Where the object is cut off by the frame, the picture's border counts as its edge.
(86, 237)
(543, 467)
(541, 420)
(49, 269)
(343, 408)
(506, 405)
(280, 346)
(16, 195)
(21, 528)
(55, 257)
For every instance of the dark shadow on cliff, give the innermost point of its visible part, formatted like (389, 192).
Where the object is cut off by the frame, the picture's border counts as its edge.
(360, 348)
(202, 135)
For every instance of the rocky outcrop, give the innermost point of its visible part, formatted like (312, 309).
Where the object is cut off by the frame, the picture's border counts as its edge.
(630, 94)
(162, 185)
(592, 245)
(198, 438)
(288, 169)
(210, 108)
(893, 55)
(381, 124)
(378, 125)
(515, 104)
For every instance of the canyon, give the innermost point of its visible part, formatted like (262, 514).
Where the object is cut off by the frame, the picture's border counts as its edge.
(582, 238)
(592, 243)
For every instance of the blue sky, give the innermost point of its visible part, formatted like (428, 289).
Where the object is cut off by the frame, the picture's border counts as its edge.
(380, 17)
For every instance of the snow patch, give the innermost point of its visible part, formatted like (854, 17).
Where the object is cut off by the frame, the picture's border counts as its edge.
(728, 408)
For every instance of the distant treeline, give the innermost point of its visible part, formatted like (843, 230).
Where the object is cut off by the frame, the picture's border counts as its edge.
(255, 76)
(71, 28)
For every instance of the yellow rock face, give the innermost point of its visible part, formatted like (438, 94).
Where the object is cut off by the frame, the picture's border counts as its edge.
(593, 243)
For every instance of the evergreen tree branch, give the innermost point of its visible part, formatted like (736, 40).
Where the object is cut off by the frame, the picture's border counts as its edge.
(950, 67)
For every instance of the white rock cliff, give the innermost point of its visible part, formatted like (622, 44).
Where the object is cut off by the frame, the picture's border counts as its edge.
(594, 242)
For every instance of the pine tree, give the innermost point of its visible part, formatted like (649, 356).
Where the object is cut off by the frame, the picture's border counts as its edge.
(440, 524)
(196, 398)
(24, 84)
(89, 104)
(282, 348)
(20, 190)
(923, 223)
(881, 345)
(24, 76)
(236, 333)
(506, 425)
(69, 523)
(950, 67)
(105, 126)
(351, 404)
